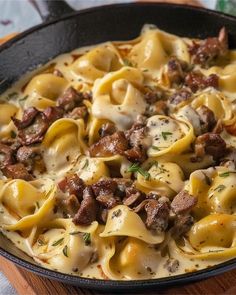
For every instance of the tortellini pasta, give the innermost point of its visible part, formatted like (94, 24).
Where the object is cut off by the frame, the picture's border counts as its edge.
(118, 161)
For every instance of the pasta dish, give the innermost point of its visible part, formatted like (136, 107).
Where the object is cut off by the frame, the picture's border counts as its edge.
(118, 161)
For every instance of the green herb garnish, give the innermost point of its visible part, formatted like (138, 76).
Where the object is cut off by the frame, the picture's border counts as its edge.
(165, 134)
(207, 179)
(75, 233)
(58, 242)
(24, 98)
(12, 95)
(87, 238)
(155, 148)
(13, 134)
(136, 168)
(41, 242)
(226, 174)
(127, 62)
(220, 188)
(86, 164)
(65, 251)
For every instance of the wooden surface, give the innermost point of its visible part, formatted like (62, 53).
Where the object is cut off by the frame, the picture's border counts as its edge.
(29, 284)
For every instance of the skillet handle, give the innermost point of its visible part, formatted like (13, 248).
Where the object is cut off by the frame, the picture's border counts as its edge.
(52, 9)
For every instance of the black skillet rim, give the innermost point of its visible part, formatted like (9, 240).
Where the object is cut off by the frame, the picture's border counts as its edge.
(118, 285)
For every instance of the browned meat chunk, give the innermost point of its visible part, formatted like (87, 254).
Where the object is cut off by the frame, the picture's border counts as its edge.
(70, 99)
(104, 191)
(107, 129)
(73, 184)
(152, 96)
(88, 209)
(157, 214)
(122, 185)
(182, 225)
(28, 156)
(172, 265)
(175, 70)
(158, 108)
(109, 145)
(104, 187)
(207, 119)
(6, 155)
(180, 96)
(136, 154)
(108, 201)
(133, 196)
(17, 171)
(137, 135)
(78, 113)
(210, 143)
(102, 215)
(197, 81)
(28, 117)
(183, 202)
(34, 124)
(206, 51)
(70, 206)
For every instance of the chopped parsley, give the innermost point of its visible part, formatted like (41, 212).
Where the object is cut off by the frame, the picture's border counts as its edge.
(41, 242)
(220, 188)
(75, 233)
(65, 250)
(12, 95)
(24, 98)
(127, 62)
(87, 238)
(86, 163)
(13, 134)
(165, 134)
(136, 168)
(58, 242)
(226, 174)
(207, 179)
(155, 148)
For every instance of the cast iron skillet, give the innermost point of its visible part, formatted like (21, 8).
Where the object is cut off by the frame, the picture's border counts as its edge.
(116, 22)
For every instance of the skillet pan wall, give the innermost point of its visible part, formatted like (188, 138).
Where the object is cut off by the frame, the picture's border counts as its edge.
(116, 22)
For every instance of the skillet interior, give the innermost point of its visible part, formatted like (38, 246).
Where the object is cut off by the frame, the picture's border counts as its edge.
(116, 22)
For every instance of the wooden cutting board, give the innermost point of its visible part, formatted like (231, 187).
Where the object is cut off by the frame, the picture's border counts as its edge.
(27, 283)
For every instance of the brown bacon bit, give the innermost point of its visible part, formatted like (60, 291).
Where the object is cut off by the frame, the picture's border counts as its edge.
(197, 81)
(109, 145)
(88, 209)
(17, 171)
(107, 129)
(157, 214)
(207, 119)
(73, 184)
(210, 143)
(70, 99)
(7, 153)
(183, 202)
(206, 51)
(180, 96)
